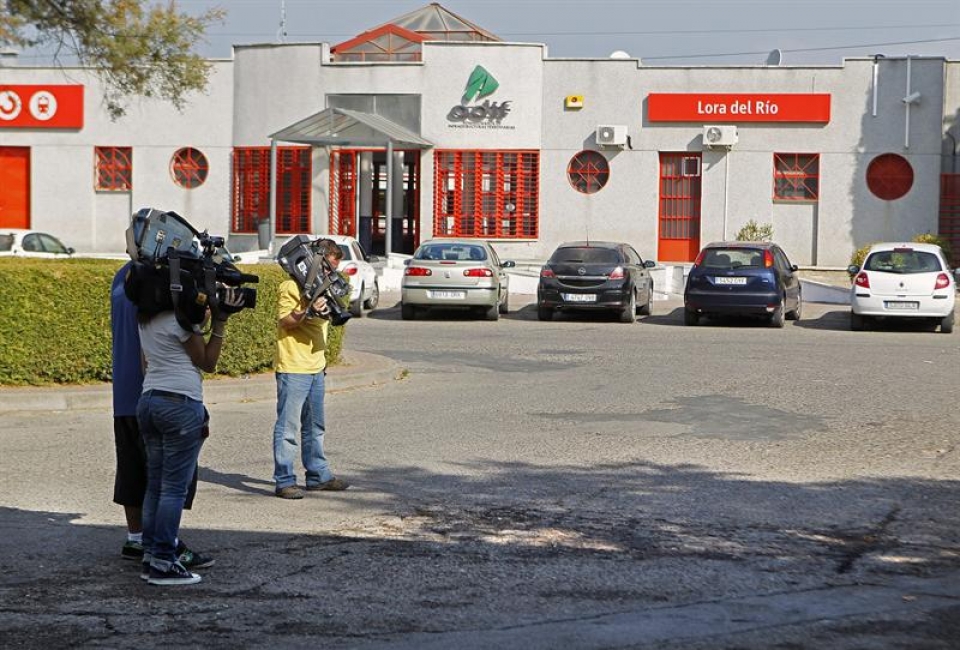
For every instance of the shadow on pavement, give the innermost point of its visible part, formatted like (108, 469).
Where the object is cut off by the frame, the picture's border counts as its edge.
(524, 545)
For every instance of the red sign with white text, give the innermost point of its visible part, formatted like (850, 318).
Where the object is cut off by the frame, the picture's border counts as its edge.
(41, 107)
(738, 107)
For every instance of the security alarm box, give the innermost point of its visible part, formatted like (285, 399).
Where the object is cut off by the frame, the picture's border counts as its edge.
(573, 101)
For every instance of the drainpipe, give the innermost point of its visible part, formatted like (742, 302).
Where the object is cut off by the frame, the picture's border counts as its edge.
(876, 70)
(726, 191)
(908, 102)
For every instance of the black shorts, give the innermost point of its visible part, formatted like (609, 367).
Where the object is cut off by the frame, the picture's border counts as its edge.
(130, 484)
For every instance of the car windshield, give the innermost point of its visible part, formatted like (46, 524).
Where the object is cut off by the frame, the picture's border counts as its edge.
(903, 261)
(732, 258)
(585, 255)
(455, 252)
(6, 242)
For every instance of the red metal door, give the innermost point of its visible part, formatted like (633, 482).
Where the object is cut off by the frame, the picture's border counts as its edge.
(343, 193)
(950, 213)
(679, 212)
(15, 187)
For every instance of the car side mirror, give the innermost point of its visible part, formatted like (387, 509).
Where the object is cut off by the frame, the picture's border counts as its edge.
(649, 264)
(373, 259)
(71, 250)
(853, 269)
(407, 261)
(794, 268)
(508, 264)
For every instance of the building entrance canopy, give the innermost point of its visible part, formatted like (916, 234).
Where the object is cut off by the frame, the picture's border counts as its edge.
(343, 127)
(348, 128)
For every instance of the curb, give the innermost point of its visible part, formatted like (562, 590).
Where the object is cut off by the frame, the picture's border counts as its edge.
(356, 370)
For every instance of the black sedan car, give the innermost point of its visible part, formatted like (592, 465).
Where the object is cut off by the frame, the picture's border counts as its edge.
(590, 275)
(743, 279)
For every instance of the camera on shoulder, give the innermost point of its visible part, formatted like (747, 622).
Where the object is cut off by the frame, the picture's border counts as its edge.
(304, 261)
(175, 267)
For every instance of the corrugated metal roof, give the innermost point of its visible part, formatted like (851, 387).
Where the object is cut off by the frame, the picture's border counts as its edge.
(344, 127)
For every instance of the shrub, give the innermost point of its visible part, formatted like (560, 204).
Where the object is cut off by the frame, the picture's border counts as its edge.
(859, 255)
(939, 240)
(55, 323)
(752, 231)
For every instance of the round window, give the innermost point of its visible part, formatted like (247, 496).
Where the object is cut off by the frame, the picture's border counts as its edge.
(189, 168)
(588, 171)
(889, 176)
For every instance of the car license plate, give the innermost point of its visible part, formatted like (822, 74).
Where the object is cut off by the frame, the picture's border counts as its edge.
(580, 297)
(901, 305)
(447, 295)
(728, 280)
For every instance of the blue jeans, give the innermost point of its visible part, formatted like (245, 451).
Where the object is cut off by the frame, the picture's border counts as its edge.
(299, 411)
(172, 430)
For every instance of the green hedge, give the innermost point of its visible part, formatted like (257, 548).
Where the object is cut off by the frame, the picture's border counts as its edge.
(55, 323)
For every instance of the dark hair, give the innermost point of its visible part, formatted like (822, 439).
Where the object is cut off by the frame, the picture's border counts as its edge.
(329, 247)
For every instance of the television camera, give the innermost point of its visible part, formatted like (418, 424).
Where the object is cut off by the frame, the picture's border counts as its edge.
(176, 267)
(304, 260)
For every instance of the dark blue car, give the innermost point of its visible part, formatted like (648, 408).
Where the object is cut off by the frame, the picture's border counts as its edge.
(742, 279)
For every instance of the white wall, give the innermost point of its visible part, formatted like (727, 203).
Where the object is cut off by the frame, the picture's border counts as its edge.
(62, 195)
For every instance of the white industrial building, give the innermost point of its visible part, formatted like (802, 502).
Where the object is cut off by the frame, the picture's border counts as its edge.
(432, 124)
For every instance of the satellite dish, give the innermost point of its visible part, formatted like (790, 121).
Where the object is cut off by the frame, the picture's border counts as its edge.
(620, 54)
(775, 57)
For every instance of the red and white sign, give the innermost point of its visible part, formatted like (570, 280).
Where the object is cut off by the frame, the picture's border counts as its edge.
(738, 107)
(41, 107)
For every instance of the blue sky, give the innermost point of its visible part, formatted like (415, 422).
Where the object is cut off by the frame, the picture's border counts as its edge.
(674, 32)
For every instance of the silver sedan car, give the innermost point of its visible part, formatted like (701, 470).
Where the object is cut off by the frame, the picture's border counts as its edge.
(450, 273)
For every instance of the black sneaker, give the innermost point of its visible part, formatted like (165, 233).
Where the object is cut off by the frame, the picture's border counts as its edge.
(191, 559)
(132, 551)
(175, 575)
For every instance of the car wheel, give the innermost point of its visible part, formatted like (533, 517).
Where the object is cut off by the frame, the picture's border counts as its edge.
(777, 317)
(629, 313)
(374, 299)
(647, 308)
(407, 312)
(356, 306)
(946, 323)
(544, 313)
(690, 317)
(856, 322)
(505, 305)
(493, 313)
(795, 314)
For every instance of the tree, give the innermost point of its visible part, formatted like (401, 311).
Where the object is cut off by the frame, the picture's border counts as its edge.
(136, 48)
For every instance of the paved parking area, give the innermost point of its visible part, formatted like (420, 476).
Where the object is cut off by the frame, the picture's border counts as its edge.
(581, 483)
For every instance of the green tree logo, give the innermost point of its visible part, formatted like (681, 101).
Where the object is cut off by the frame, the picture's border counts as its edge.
(480, 84)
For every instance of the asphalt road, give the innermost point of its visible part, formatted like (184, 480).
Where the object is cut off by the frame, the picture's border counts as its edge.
(580, 483)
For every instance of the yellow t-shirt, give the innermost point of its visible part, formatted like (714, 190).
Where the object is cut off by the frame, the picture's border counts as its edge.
(299, 350)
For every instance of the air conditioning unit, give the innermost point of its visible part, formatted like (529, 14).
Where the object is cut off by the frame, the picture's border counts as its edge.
(716, 135)
(612, 135)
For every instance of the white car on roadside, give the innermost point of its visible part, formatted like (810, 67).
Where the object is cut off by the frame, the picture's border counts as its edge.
(359, 269)
(19, 242)
(903, 280)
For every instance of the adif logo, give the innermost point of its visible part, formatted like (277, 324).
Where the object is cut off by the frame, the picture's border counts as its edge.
(480, 84)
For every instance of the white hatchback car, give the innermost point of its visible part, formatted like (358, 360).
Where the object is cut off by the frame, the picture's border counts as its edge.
(17, 242)
(358, 267)
(903, 280)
